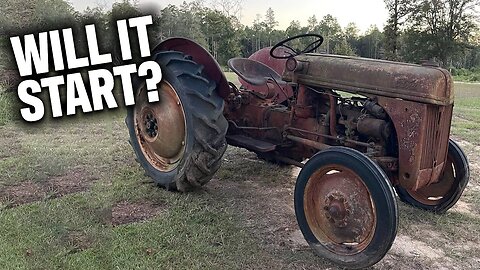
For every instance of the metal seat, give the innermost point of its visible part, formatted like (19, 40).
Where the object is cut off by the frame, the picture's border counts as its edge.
(254, 72)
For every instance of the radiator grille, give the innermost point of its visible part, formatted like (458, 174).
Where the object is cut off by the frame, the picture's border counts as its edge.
(436, 135)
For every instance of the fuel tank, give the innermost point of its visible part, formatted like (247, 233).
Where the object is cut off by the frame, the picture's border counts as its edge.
(420, 83)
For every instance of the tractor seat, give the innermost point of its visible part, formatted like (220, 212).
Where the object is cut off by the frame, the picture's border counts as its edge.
(254, 72)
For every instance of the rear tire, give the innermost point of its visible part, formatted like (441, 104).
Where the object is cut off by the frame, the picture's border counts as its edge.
(186, 151)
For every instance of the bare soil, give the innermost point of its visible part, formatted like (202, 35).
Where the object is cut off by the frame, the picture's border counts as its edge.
(79, 241)
(78, 180)
(132, 212)
(268, 212)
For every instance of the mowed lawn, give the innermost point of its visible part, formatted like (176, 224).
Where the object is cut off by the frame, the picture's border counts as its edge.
(73, 197)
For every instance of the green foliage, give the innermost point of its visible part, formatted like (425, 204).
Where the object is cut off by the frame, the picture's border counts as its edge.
(331, 31)
(183, 21)
(442, 30)
(371, 44)
(19, 17)
(410, 33)
(466, 75)
(8, 107)
(398, 11)
(221, 35)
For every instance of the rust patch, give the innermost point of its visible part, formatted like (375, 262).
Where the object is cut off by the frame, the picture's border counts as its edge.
(131, 212)
(58, 186)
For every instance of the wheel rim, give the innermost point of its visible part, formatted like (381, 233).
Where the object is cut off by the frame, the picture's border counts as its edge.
(437, 193)
(160, 128)
(339, 210)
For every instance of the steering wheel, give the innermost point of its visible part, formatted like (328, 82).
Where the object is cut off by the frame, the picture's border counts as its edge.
(310, 48)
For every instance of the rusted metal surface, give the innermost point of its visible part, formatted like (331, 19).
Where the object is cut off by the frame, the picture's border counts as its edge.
(436, 192)
(260, 78)
(422, 131)
(250, 143)
(389, 164)
(402, 122)
(374, 127)
(376, 77)
(200, 56)
(314, 144)
(278, 88)
(339, 209)
(263, 56)
(163, 147)
(333, 116)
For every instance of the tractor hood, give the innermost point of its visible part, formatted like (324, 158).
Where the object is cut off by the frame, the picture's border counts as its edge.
(422, 83)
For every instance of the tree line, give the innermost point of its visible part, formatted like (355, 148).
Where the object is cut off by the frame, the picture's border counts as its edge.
(446, 31)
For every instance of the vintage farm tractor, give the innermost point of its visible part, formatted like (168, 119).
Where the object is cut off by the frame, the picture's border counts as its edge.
(366, 128)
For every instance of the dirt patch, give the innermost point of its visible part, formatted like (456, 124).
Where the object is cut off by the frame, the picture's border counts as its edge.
(131, 212)
(54, 187)
(23, 193)
(11, 146)
(79, 241)
(470, 149)
(464, 208)
(269, 216)
(268, 213)
(9, 79)
(72, 182)
(405, 246)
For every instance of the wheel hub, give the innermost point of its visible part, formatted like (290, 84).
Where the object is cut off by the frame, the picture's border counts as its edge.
(151, 126)
(161, 128)
(337, 210)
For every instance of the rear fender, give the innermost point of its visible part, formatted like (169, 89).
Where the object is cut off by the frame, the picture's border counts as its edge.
(201, 56)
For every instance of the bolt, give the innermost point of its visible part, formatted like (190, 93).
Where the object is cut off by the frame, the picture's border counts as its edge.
(342, 224)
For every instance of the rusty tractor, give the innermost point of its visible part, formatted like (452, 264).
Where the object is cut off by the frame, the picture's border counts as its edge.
(360, 129)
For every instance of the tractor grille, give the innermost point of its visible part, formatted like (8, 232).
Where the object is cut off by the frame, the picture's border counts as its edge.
(436, 136)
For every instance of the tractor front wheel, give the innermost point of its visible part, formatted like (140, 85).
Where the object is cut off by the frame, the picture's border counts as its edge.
(180, 140)
(346, 208)
(441, 196)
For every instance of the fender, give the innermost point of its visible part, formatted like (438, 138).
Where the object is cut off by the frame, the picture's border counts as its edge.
(200, 56)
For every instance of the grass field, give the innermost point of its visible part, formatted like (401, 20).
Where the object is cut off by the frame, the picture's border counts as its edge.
(73, 197)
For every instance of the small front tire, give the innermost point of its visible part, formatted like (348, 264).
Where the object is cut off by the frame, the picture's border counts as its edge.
(346, 208)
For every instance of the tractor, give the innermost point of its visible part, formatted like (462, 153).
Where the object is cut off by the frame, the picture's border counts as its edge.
(361, 130)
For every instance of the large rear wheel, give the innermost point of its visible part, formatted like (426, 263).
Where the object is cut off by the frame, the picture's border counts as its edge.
(180, 140)
(346, 208)
(441, 196)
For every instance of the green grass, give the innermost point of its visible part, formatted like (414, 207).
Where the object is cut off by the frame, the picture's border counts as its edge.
(194, 232)
(224, 229)
(466, 122)
(232, 77)
(8, 107)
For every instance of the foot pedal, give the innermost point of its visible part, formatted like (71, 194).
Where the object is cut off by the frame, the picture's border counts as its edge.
(250, 143)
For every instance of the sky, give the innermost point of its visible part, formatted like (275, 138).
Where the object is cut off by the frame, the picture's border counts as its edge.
(364, 13)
